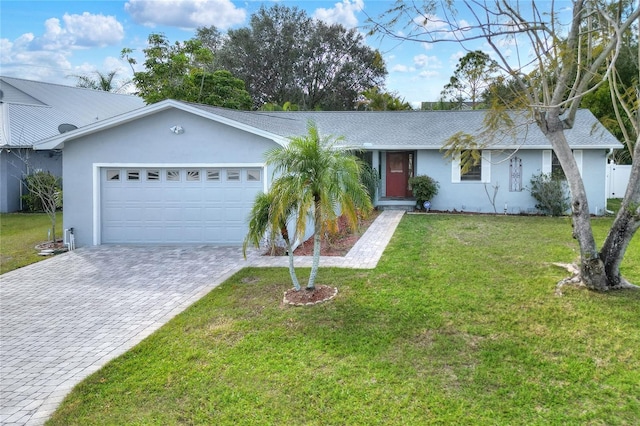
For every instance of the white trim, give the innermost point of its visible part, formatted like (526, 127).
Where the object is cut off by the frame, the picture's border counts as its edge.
(577, 155)
(546, 161)
(455, 168)
(97, 183)
(486, 166)
(179, 165)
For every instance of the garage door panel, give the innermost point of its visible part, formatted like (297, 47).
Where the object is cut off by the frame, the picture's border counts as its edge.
(175, 212)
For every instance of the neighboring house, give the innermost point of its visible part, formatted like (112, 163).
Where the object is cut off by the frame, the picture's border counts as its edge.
(31, 111)
(175, 172)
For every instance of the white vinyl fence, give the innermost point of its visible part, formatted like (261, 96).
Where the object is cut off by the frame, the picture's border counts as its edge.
(617, 180)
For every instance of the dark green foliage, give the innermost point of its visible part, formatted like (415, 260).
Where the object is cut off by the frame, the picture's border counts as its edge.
(470, 78)
(424, 188)
(369, 178)
(285, 56)
(180, 71)
(31, 203)
(551, 194)
(375, 99)
(221, 88)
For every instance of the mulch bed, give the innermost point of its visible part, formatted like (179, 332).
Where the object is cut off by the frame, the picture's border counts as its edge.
(337, 244)
(305, 297)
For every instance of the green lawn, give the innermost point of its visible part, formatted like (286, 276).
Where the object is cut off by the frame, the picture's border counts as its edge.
(19, 234)
(459, 324)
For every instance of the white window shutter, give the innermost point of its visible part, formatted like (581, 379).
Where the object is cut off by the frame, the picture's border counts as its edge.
(486, 166)
(546, 161)
(455, 169)
(577, 154)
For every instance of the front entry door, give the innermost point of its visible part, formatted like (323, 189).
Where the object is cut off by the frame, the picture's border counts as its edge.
(398, 174)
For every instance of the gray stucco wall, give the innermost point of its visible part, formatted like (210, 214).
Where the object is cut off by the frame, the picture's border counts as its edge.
(17, 163)
(472, 197)
(149, 141)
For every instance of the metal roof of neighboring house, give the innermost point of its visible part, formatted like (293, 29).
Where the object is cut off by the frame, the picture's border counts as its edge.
(31, 111)
(386, 130)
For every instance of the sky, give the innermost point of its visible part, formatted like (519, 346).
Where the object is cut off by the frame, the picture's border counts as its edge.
(53, 41)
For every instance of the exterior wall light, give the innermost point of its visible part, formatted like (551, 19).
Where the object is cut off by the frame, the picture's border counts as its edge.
(178, 130)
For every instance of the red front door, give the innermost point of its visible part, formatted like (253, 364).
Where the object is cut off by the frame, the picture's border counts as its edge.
(398, 174)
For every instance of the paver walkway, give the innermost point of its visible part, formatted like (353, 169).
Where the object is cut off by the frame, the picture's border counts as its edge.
(64, 318)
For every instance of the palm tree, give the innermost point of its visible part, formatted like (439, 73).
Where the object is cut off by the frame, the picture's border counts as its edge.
(270, 218)
(102, 81)
(324, 178)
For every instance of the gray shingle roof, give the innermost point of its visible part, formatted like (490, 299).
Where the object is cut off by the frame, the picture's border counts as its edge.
(31, 111)
(413, 129)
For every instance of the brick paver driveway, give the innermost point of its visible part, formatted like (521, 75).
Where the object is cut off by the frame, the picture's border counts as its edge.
(65, 317)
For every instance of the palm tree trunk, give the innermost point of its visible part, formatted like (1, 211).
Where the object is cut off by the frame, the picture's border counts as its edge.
(317, 231)
(292, 270)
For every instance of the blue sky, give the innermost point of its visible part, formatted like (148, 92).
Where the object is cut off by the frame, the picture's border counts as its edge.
(53, 40)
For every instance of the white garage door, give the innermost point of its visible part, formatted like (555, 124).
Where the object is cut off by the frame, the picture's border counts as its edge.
(177, 205)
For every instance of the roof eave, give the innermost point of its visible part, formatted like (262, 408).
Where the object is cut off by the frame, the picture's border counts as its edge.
(505, 147)
(57, 142)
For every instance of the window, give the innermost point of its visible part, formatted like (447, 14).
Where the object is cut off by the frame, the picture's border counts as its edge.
(213, 174)
(153, 175)
(556, 168)
(173, 175)
(233, 175)
(113, 175)
(474, 173)
(480, 172)
(193, 175)
(253, 175)
(133, 174)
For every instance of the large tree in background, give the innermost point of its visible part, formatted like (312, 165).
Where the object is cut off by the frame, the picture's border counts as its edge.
(615, 102)
(375, 99)
(471, 78)
(552, 81)
(182, 71)
(285, 56)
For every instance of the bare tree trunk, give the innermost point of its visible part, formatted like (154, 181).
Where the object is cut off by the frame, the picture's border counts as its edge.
(626, 224)
(591, 266)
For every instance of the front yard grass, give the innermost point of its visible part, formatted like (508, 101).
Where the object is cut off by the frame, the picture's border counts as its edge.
(19, 234)
(459, 324)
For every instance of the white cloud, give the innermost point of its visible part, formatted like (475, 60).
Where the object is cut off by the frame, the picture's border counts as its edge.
(455, 57)
(427, 46)
(89, 30)
(429, 74)
(186, 13)
(47, 56)
(79, 32)
(342, 13)
(402, 68)
(425, 61)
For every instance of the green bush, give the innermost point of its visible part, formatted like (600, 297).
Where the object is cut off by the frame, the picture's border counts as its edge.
(551, 194)
(424, 188)
(369, 178)
(40, 183)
